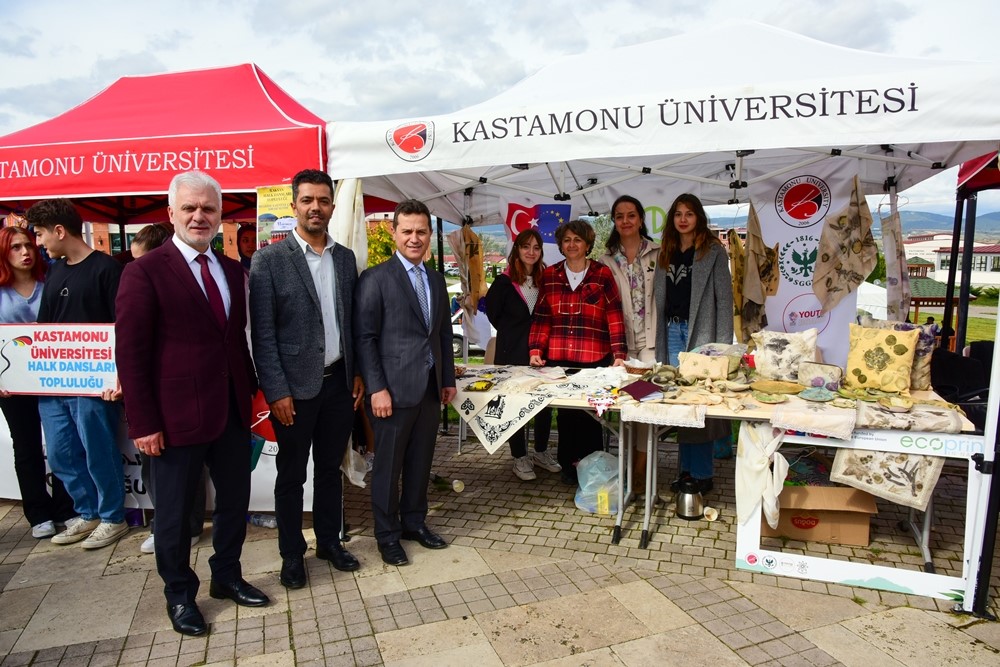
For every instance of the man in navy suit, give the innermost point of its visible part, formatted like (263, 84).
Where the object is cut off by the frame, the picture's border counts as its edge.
(403, 346)
(301, 295)
(188, 382)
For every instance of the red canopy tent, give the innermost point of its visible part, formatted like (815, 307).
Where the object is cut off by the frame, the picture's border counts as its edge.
(116, 152)
(979, 174)
(974, 176)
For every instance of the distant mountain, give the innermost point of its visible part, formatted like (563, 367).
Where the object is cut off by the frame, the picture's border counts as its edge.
(914, 222)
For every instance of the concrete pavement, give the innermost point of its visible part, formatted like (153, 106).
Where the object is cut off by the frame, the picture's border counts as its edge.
(528, 580)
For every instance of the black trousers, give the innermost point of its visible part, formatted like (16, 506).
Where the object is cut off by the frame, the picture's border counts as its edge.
(542, 427)
(322, 423)
(579, 433)
(197, 518)
(404, 452)
(176, 474)
(21, 413)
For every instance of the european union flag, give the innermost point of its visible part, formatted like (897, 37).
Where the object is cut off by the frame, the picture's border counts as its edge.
(551, 216)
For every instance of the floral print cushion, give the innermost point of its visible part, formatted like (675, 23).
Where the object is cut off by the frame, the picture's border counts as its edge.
(880, 359)
(920, 378)
(779, 354)
(701, 366)
(813, 374)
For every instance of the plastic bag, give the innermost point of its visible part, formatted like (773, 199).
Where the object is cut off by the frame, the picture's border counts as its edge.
(598, 490)
(354, 467)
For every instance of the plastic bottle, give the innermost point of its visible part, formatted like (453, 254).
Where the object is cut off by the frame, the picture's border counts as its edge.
(263, 520)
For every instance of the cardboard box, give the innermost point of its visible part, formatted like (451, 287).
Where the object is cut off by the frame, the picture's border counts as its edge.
(829, 514)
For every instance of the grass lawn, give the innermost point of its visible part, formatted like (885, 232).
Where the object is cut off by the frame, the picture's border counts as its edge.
(980, 328)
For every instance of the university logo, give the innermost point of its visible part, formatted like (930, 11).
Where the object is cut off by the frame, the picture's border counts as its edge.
(797, 260)
(802, 201)
(804, 312)
(411, 141)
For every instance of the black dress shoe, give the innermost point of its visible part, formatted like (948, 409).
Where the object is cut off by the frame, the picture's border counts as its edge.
(240, 592)
(293, 572)
(705, 485)
(427, 539)
(338, 556)
(187, 619)
(393, 554)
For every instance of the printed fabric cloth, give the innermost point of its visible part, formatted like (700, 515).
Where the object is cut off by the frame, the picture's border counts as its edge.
(665, 415)
(919, 418)
(495, 417)
(760, 472)
(906, 479)
(737, 268)
(760, 279)
(847, 251)
(897, 277)
(815, 418)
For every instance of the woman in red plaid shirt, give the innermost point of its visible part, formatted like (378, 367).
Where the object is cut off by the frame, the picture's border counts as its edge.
(578, 323)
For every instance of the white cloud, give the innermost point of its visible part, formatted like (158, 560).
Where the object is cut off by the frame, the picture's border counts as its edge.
(385, 59)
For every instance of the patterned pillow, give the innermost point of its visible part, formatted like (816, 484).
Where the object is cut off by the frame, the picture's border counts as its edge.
(814, 374)
(881, 359)
(920, 378)
(778, 354)
(702, 366)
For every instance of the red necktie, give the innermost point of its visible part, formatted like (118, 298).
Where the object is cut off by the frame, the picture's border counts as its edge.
(212, 290)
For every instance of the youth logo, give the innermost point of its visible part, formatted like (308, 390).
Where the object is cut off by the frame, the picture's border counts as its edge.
(411, 141)
(797, 260)
(803, 201)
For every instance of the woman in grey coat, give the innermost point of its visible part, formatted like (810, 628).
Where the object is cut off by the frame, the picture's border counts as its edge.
(692, 289)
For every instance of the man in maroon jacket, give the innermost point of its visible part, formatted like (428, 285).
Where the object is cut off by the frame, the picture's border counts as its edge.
(188, 381)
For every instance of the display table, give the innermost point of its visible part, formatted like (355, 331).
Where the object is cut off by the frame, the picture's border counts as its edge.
(750, 555)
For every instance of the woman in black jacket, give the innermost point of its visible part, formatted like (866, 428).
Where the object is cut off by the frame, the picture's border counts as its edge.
(510, 303)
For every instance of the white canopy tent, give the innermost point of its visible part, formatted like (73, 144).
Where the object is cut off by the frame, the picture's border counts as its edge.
(711, 113)
(708, 113)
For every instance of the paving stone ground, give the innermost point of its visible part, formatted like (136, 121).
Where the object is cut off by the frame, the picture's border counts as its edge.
(528, 579)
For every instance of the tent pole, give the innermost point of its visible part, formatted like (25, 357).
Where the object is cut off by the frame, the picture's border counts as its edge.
(963, 293)
(949, 297)
(440, 267)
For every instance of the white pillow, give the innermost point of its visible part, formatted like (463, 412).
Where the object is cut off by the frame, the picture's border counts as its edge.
(778, 353)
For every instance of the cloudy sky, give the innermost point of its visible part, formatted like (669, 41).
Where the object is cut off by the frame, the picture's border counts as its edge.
(382, 59)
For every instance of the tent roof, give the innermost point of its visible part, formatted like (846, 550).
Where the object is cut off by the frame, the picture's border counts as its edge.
(699, 112)
(979, 174)
(134, 136)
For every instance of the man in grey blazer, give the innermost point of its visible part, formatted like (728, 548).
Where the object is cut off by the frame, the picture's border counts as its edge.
(403, 341)
(301, 300)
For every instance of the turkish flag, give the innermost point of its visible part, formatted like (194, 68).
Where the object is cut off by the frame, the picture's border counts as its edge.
(519, 218)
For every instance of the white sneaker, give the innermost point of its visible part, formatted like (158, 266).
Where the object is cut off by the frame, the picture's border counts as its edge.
(545, 461)
(42, 530)
(149, 545)
(522, 468)
(105, 534)
(77, 529)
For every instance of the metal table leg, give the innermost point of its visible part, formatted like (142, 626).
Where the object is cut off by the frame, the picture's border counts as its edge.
(922, 534)
(626, 451)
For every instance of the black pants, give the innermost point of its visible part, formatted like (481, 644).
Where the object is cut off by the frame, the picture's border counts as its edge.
(176, 473)
(197, 518)
(323, 424)
(579, 433)
(542, 426)
(21, 413)
(404, 451)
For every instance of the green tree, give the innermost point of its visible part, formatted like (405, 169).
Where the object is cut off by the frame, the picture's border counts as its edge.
(878, 273)
(380, 243)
